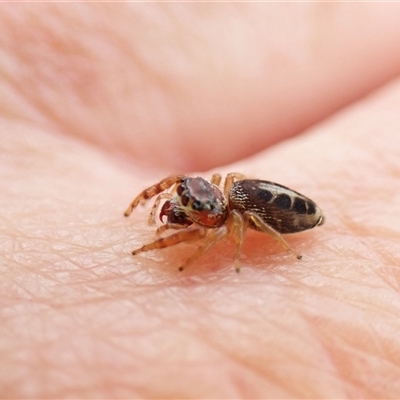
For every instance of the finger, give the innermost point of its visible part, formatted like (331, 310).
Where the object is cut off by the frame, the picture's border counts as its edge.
(226, 81)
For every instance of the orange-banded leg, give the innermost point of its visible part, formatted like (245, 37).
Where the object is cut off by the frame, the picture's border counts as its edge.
(168, 225)
(187, 235)
(210, 240)
(237, 224)
(229, 180)
(264, 227)
(184, 235)
(153, 191)
(216, 179)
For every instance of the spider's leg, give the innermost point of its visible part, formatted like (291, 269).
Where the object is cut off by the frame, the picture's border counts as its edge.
(168, 225)
(153, 191)
(184, 235)
(237, 224)
(230, 178)
(210, 240)
(264, 227)
(216, 179)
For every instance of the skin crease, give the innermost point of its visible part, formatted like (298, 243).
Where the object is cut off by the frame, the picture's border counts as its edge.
(99, 101)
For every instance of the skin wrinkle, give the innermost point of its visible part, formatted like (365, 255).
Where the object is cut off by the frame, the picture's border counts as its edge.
(391, 279)
(351, 285)
(274, 379)
(361, 357)
(381, 349)
(356, 343)
(347, 386)
(185, 368)
(229, 357)
(388, 274)
(375, 336)
(237, 351)
(246, 369)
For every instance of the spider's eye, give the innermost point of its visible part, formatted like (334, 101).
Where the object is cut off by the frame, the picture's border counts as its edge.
(197, 205)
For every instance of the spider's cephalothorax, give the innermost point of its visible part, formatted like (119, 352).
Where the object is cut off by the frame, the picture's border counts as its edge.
(201, 201)
(197, 209)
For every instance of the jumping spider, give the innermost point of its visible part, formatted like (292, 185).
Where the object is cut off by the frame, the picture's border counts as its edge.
(199, 209)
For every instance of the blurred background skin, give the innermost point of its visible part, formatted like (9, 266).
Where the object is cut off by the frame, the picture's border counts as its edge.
(99, 100)
(167, 84)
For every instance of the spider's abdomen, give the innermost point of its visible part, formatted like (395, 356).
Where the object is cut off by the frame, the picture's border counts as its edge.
(281, 208)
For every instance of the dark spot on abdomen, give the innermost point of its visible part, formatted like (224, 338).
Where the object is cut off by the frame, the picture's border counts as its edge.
(299, 206)
(283, 201)
(311, 208)
(264, 195)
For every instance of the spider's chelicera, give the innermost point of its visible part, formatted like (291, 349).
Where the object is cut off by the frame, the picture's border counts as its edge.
(201, 209)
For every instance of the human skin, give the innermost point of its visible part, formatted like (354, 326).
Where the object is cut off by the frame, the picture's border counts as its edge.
(99, 101)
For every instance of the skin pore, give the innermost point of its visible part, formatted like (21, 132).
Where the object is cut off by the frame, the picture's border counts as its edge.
(100, 101)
